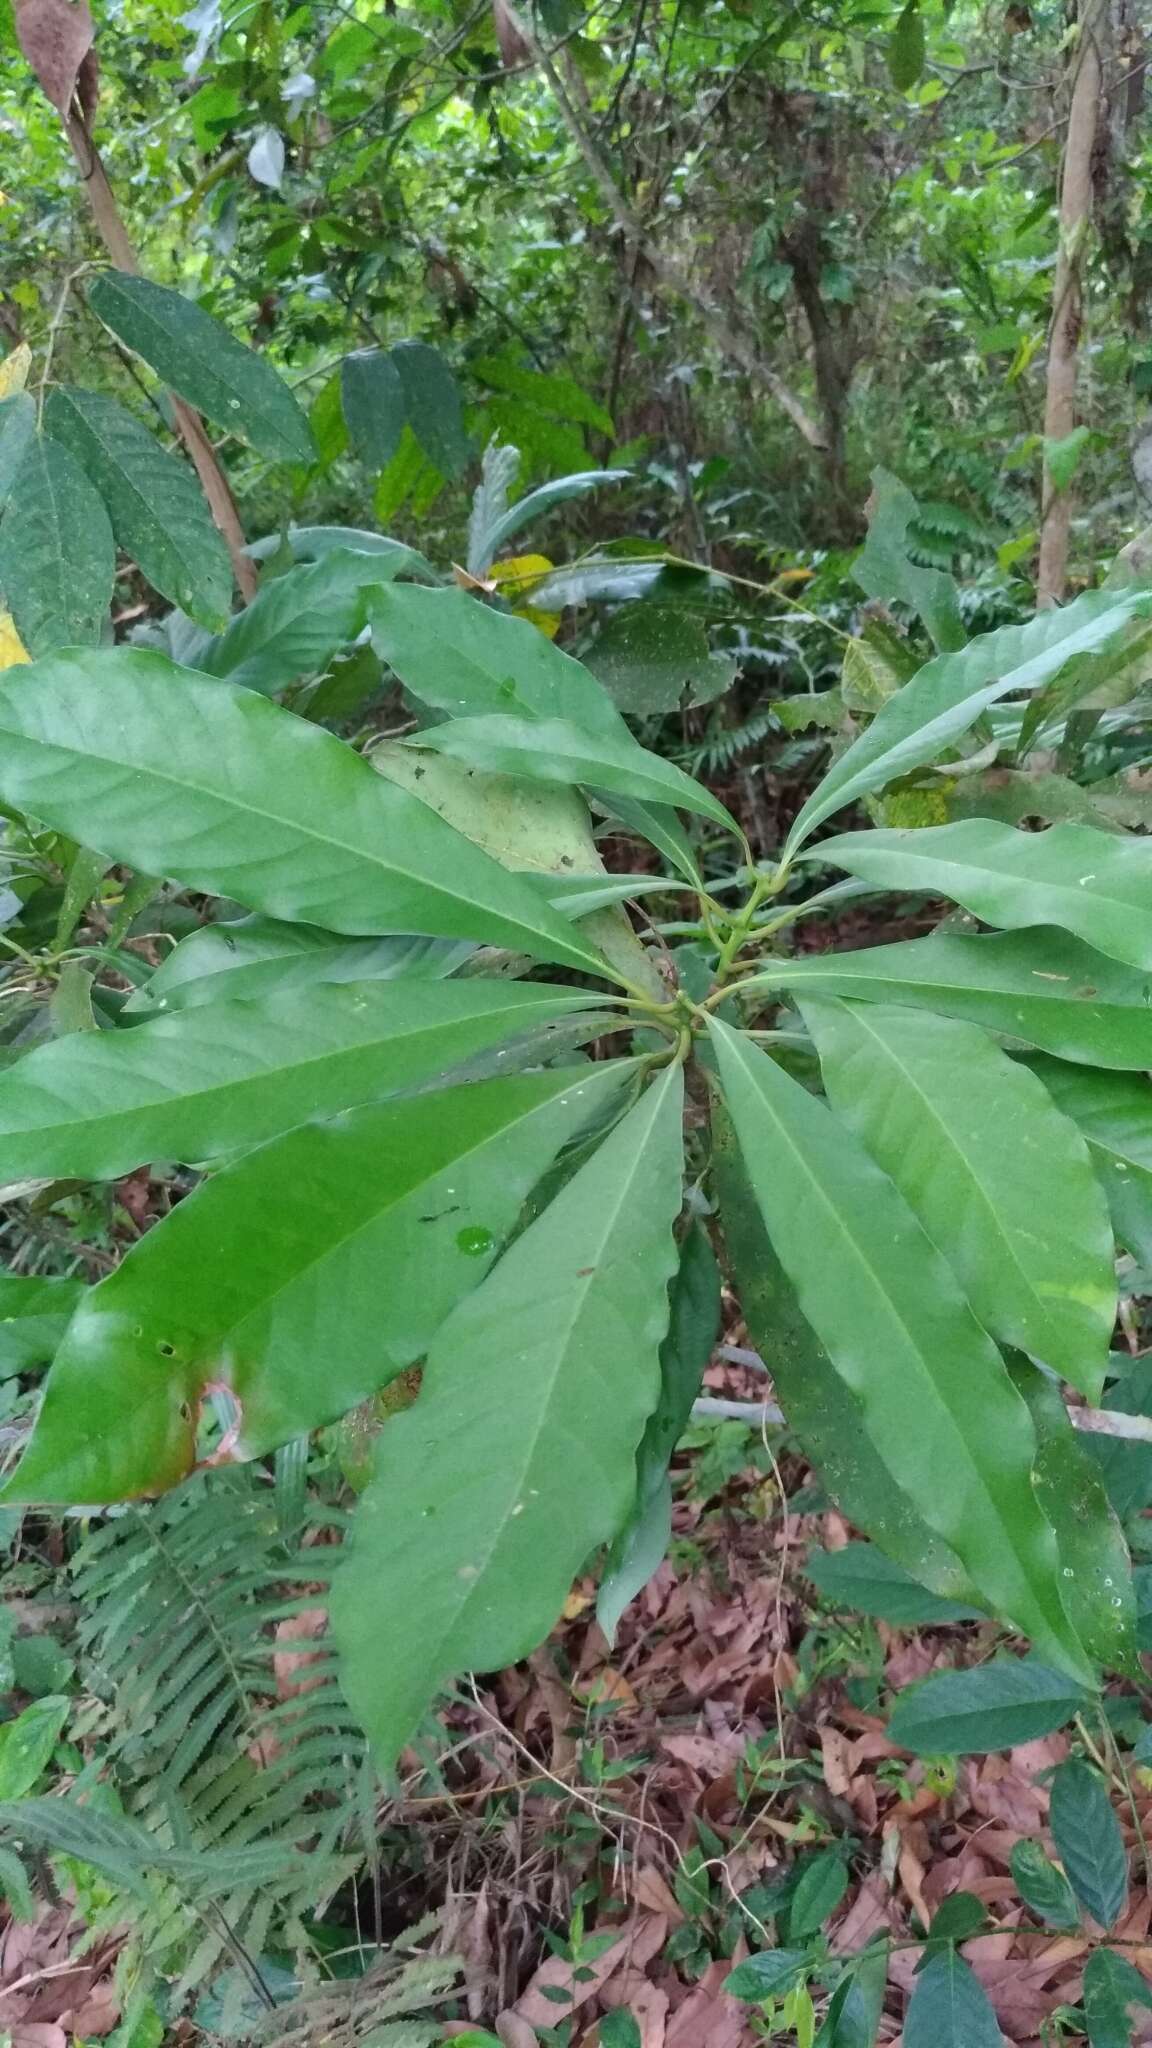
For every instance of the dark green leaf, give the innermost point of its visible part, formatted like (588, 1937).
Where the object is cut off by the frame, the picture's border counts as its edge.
(817, 1892)
(949, 2008)
(209, 1081)
(767, 1975)
(862, 1579)
(432, 405)
(937, 1402)
(996, 1706)
(1088, 1841)
(653, 659)
(374, 404)
(159, 514)
(1044, 1889)
(1093, 883)
(960, 1917)
(358, 1236)
(518, 1458)
(239, 797)
(296, 622)
(199, 359)
(554, 750)
(659, 824)
(1114, 1112)
(971, 1140)
(1041, 988)
(854, 2015)
(1112, 1986)
(57, 556)
(906, 48)
(257, 956)
(17, 427)
(34, 1315)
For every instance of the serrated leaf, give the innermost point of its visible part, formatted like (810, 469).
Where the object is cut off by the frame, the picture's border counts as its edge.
(358, 1236)
(432, 405)
(950, 693)
(16, 1887)
(209, 1081)
(17, 428)
(970, 1140)
(198, 358)
(1114, 1113)
(862, 1579)
(997, 1706)
(27, 1743)
(1088, 1841)
(518, 1456)
(126, 1852)
(1112, 1986)
(296, 622)
(158, 512)
(256, 956)
(241, 798)
(1097, 885)
(57, 556)
(375, 406)
(34, 1314)
(936, 1400)
(949, 2007)
(1041, 988)
(692, 1325)
(555, 750)
(1044, 1889)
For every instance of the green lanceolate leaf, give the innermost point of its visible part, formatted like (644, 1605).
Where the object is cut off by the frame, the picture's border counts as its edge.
(206, 365)
(57, 555)
(996, 1706)
(949, 2007)
(237, 796)
(1040, 988)
(949, 694)
(1044, 1889)
(206, 1082)
(1114, 1112)
(906, 48)
(857, 2007)
(970, 1139)
(518, 1458)
(536, 504)
(1095, 884)
(1088, 1841)
(1112, 1986)
(359, 1236)
(1095, 1569)
(159, 514)
(553, 750)
(17, 427)
(472, 662)
(658, 824)
(34, 1314)
(256, 957)
(297, 622)
(374, 405)
(861, 1579)
(687, 1347)
(936, 1400)
(821, 1409)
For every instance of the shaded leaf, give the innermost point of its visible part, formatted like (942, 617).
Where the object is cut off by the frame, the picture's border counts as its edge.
(817, 1892)
(375, 406)
(158, 511)
(1114, 1113)
(936, 1400)
(652, 659)
(553, 750)
(198, 358)
(17, 428)
(856, 2009)
(297, 621)
(519, 1455)
(996, 1706)
(1044, 1889)
(256, 956)
(358, 1236)
(949, 2008)
(884, 568)
(1088, 1841)
(34, 1314)
(57, 556)
(862, 1579)
(432, 405)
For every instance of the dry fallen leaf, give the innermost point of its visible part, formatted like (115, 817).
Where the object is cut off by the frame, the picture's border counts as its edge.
(55, 36)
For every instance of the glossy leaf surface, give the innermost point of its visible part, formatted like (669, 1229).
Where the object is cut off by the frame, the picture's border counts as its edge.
(358, 1238)
(553, 750)
(198, 358)
(970, 1139)
(949, 694)
(57, 556)
(209, 1081)
(1097, 885)
(936, 1400)
(159, 513)
(518, 1458)
(237, 796)
(1042, 988)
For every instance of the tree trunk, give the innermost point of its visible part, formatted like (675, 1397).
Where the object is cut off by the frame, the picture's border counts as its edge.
(1067, 321)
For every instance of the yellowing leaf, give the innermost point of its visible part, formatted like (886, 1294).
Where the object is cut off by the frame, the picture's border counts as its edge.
(527, 569)
(14, 370)
(12, 648)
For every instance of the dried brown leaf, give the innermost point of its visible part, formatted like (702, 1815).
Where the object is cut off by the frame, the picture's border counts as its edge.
(56, 36)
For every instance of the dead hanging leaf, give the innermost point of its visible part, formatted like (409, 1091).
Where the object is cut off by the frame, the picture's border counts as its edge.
(514, 51)
(56, 36)
(14, 371)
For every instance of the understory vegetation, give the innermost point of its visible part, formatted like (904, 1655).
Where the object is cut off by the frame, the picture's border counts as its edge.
(575, 1024)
